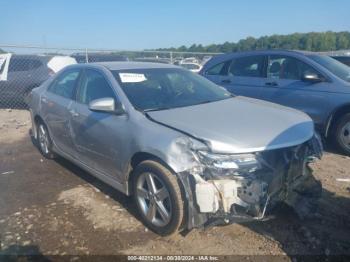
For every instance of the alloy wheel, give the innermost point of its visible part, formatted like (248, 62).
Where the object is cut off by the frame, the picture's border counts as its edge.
(154, 199)
(345, 135)
(43, 139)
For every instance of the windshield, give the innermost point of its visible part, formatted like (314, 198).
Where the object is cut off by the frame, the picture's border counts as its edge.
(337, 68)
(165, 88)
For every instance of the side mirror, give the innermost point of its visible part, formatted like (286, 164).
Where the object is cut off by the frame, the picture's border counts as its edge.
(106, 104)
(310, 77)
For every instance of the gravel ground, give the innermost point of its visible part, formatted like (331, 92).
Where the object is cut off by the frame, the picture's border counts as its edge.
(53, 207)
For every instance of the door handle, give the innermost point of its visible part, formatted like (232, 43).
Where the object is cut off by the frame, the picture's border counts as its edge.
(73, 113)
(44, 100)
(271, 84)
(226, 81)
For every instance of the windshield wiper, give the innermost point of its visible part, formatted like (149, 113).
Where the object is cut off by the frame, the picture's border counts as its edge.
(200, 103)
(210, 101)
(156, 109)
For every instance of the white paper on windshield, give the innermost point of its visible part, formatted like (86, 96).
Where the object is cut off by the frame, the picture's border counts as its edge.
(132, 77)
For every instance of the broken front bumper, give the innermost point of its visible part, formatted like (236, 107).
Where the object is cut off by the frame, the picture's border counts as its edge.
(285, 176)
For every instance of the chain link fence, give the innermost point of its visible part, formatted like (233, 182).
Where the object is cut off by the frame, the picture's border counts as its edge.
(23, 68)
(336, 53)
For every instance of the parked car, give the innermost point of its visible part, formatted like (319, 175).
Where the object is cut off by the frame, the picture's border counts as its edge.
(98, 57)
(190, 60)
(316, 84)
(189, 152)
(343, 59)
(193, 67)
(177, 60)
(152, 60)
(19, 74)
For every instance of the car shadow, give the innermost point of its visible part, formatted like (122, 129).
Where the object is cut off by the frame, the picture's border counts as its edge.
(324, 228)
(330, 147)
(125, 201)
(325, 232)
(22, 253)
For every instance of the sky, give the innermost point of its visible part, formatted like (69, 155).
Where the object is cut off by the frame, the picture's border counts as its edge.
(138, 24)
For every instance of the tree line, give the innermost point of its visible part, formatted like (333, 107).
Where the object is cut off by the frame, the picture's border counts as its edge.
(323, 41)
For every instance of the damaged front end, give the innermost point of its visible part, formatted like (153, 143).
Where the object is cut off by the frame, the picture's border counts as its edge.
(242, 187)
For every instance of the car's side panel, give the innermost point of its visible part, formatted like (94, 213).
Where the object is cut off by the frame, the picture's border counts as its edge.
(55, 111)
(311, 98)
(100, 139)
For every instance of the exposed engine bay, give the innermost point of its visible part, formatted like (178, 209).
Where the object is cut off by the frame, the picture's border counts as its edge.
(238, 188)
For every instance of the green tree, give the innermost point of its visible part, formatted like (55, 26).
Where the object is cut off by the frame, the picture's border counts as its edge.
(313, 41)
(343, 40)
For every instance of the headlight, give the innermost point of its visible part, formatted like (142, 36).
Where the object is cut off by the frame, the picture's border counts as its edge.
(229, 164)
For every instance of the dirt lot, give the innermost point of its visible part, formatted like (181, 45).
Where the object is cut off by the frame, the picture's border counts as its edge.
(53, 207)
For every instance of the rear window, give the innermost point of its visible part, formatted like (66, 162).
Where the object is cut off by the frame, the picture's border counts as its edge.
(219, 69)
(248, 66)
(23, 64)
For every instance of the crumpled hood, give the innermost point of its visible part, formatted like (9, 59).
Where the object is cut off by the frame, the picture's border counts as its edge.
(240, 124)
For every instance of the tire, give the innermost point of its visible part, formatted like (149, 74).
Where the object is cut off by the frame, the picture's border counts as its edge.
(44, 141)
(342, 134)
(165, 197)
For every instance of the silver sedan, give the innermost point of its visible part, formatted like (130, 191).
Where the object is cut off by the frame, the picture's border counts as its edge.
(189, 152)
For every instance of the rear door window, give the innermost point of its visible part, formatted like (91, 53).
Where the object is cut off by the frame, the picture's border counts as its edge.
(65, 84)
(247, 66)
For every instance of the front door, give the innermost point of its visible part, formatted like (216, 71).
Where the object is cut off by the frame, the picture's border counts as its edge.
(285, 86)
(98, 136)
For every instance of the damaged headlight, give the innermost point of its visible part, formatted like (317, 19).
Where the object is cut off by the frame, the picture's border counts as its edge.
(233, 164)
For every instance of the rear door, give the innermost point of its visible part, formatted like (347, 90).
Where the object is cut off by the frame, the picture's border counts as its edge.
(285, 86)
(243, 75)
(56, 108)
(99, 137)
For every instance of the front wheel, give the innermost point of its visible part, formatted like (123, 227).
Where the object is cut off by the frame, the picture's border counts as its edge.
(342, 134)
(158, 197)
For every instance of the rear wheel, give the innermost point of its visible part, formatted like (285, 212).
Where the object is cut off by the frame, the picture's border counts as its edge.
(158, 197)
(44, 141)
(342, 134)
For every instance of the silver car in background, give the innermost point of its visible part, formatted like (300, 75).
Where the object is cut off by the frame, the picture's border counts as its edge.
(189, 152)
